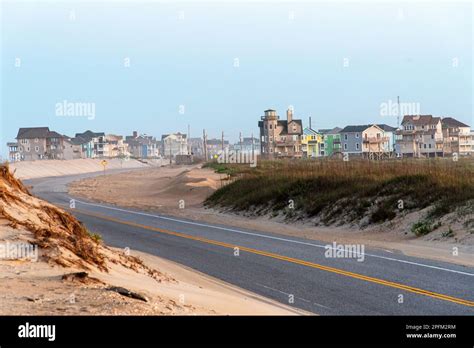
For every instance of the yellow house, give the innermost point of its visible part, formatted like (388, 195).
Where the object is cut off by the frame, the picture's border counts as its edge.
(312, 143)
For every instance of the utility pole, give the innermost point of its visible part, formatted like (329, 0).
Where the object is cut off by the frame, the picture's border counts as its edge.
(189, 139)
(253, 151)
(240, 139)
(204, 142)
(222, 141)
(171, 155)
(398, 113)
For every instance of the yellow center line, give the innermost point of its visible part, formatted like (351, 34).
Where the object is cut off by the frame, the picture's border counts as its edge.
(288, 259)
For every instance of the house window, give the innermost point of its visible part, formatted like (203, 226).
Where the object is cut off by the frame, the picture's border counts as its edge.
(37, 148)
(424, 146)
(345, 136)
(357, 135)
(345, 146)
(36, 140)
(432, 136)
(357, 146)
(270, 126)
(429, 145)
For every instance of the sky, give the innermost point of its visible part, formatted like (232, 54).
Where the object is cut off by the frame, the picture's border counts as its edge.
(156, 67)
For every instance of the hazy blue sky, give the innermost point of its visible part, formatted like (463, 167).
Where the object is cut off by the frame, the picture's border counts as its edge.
(183, 54)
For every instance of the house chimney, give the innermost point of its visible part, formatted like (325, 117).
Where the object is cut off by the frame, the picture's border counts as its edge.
(289, 114)
(310, 122)
(135, 134)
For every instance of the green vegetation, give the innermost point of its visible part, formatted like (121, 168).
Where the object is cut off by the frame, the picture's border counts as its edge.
(335, 190)
(95, 237)
(425, 226)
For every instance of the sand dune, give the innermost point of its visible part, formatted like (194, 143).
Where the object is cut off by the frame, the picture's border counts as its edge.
(47, 168)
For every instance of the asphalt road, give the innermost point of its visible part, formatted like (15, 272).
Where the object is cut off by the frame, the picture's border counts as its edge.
(293, 271)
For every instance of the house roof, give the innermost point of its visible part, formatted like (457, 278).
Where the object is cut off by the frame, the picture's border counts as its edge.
(53, 134)
(452, 122)
(335, 130)
(421, 120)
(38, 132)
(79, 141)
(386, 128)
(309, 131)
(361, 128)
(32, 132)
(88, 134)
(355, 128)
(182, 135)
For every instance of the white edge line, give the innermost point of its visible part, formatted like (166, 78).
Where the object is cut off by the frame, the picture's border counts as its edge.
(271, 237)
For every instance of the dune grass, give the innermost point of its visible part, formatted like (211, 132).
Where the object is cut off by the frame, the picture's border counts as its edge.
(378, 190)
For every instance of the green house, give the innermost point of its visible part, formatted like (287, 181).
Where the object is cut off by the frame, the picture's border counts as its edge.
(331, 142)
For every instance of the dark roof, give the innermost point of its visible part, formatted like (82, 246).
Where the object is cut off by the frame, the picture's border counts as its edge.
(361, 128)
(88, 135)
(269, 110)
(452, 122)
(54, 134)
(79, 141)
(421, 119)
(353, 129)
(386, 128)
(38, 132)
(33, 132)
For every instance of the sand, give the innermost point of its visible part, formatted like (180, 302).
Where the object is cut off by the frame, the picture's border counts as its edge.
(47, 168)
(36, 288)
(69, 271)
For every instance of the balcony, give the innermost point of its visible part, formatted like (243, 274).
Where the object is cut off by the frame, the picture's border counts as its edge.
(285, 143)
(375, 140)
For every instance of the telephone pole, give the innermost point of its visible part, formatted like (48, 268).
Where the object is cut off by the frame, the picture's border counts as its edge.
(189, 140)
(222, 141)
(204, 143)
(398, 113)
(253, 151)
(240, 140)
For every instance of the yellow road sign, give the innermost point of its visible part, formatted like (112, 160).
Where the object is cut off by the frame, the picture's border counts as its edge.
(104, 162)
